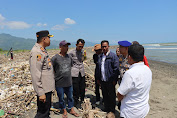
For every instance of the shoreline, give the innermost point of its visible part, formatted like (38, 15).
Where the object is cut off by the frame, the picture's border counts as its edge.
(163, 62)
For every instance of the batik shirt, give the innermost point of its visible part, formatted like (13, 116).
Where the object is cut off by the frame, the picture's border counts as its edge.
(123, 65)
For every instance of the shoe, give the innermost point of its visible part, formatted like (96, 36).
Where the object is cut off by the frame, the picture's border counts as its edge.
(97, 103)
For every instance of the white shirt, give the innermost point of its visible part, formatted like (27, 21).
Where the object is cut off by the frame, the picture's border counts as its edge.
(102, 68)
(135, 87)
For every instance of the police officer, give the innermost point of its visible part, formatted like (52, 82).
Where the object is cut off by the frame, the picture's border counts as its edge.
(123, 61)
(42, 73)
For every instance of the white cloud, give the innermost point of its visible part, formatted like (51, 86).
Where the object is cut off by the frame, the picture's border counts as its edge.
(69, 21)
(59, 27)
(45, 25)
(13, 24)
(40, 24)
(1, 18)
(17, 25)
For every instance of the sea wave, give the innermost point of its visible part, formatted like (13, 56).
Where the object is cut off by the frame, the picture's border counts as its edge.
(162, 48)
(151, 44)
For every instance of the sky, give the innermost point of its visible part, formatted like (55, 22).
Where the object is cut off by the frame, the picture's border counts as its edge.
(146, 21)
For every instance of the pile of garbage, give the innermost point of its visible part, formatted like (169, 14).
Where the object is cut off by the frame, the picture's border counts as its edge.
(16, 91)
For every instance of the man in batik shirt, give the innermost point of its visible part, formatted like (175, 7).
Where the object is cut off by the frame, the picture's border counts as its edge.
(123, 61)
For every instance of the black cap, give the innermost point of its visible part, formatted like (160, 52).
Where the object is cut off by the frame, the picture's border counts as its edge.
(43, 33)
(64, 43)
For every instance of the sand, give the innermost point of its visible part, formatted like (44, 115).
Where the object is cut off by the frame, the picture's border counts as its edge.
(163, 93)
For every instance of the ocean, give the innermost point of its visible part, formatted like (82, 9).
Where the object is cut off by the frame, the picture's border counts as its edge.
(159, 52)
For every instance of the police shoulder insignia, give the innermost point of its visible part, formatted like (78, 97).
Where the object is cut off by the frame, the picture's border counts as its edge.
(38, 57)
(42, 48)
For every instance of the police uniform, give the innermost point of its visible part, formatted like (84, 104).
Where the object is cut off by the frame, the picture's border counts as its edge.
(42, 78)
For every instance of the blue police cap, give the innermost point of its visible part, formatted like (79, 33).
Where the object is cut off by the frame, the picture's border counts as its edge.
(124, 43)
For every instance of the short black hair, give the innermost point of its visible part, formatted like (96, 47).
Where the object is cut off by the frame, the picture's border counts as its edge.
(135, 42)
(39, 39)
(136, 51)
(103, 41)
(80, 40)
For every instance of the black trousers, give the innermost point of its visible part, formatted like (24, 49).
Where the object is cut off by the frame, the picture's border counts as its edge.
(43, 110)
(109, 96)
(97, 92)
(119, 82)
(78, 88)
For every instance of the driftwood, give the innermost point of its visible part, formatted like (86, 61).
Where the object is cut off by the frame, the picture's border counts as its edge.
(88, 112)
(90, 81)
(17, 94)
(53, 109)
(86, 65)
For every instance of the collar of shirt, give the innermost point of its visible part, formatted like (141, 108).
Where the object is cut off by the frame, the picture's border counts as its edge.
(106, 53)
(38, 45)
(41, 48)
(135, 64)
(78, 51)
(124, 58)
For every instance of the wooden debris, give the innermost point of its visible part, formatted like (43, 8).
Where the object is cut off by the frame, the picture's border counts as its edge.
(53, 109)
(90, 81)
(17, 96)
(88, 112)
(16, 91)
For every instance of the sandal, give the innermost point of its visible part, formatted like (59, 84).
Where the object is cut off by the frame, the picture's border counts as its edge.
(75, 114)
(64, 116)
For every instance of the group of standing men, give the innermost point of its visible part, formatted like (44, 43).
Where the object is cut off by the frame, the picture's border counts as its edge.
(131, 70)
(65, 73)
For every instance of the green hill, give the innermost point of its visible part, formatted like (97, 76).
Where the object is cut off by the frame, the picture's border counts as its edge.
(17, 43)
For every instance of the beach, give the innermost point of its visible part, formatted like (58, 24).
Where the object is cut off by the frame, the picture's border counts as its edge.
(163, 93)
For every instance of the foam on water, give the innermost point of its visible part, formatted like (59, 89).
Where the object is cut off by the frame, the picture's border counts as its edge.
(164, 53)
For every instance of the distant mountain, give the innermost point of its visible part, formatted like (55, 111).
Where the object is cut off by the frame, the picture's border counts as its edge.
(17, 43)
(7, 41)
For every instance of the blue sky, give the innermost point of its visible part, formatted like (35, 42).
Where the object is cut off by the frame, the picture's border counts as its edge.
(147, 21)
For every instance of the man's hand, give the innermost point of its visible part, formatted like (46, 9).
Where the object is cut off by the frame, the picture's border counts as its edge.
(119, 96)
(114, 83)
(98, 82)
(42, 98)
